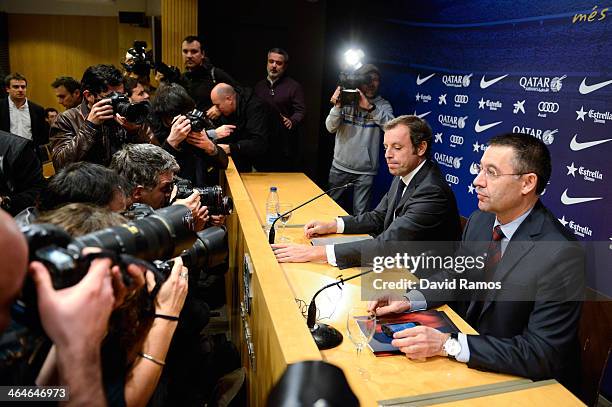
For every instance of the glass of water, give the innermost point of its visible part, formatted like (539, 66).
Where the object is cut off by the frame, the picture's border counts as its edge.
(360, 326)
(283, 208)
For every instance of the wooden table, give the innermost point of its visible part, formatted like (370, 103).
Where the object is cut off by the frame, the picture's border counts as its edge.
(385, 377)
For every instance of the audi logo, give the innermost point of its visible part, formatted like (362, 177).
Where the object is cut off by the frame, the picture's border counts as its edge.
(452, 179)
(548, 107)
(456, 140)
(461, 98)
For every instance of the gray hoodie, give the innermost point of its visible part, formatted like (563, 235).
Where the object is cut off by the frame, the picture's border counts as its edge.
(358, 136)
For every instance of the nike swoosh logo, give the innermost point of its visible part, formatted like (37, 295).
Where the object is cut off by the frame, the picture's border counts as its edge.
(485, 84)
(585, 89)
(568, 200)
(425, 79)
(575, 145)
(420, 116)
(482, 128)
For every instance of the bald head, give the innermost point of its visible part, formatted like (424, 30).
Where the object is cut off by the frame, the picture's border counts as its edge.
(224, 97)
(13, 265)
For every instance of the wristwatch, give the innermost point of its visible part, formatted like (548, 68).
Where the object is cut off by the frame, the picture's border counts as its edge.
(452, 346)
(371, 109)
(5, 202)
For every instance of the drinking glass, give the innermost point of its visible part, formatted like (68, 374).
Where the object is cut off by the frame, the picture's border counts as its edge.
(282, 208)
(360, 326)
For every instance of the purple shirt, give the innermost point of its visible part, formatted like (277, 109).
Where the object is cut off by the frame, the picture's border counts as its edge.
(286, 96)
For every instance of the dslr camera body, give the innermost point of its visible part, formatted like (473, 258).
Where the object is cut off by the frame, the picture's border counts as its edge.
(199, 121)
(212, 197)
(135, 113)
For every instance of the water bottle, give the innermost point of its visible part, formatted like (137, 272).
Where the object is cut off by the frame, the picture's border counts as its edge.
(271, 207)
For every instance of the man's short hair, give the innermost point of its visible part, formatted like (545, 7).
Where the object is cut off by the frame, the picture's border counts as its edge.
(281, 52)
(142, 164)
(129, 83)
(68, 82)
(83, 182)
(97, 78)
(171, 100)
(530, 155)
(79, 219)
(419, 130)
(50, 109)
(368, 69)
(191, 38)
(16, 76)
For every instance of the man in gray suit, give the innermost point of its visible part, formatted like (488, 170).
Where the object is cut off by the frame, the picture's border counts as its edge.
(419, 206)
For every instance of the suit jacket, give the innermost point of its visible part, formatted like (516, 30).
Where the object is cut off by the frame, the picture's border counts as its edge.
(529, 327)
(40, 129)
(426, 212)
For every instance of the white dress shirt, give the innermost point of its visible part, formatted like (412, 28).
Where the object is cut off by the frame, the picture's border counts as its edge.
(19, 117)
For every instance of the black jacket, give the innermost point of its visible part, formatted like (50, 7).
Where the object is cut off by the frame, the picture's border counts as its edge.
(255, 126)
(426, 212)
(20, 172)
(200, 82)
(40, 129)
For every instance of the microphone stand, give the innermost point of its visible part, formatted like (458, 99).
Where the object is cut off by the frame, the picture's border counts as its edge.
(272, 232)
(326, 336)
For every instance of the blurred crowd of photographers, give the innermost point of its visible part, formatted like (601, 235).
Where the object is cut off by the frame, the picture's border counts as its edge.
(115, 263)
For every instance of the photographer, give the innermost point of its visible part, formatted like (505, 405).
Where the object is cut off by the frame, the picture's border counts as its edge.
(21, 179)
(84, 309)
(149, 172)
(140, 330)
(197, 155)
(136, 89)
(357, 147)
(93, 131)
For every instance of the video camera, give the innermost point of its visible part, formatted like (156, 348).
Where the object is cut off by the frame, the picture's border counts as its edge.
(165, 234)
(140, 61)
(350, 82)
(135, 113)
(212, 197)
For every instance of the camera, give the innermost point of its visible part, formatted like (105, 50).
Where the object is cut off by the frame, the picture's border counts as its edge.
(212, 197)
(135, 113)
(171, 73)
(165, 234)
(199, 121)
(350, 82)
(138, 60)
(209, 250)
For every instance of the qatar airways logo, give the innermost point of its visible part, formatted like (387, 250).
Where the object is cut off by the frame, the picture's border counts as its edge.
(547, 136)
(457, 81)
(448, 160)
(542, 84)
(455, 122)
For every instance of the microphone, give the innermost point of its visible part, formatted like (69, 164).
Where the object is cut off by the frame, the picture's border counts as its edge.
(326, 336)
(272, 232)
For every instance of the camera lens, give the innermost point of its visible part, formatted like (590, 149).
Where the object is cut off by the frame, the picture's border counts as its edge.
(162, 235)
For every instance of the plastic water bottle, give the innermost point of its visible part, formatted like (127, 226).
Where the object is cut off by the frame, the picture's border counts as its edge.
(271, 207)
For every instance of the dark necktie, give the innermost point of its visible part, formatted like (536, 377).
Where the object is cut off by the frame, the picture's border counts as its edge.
(400, 191)
(494, 255)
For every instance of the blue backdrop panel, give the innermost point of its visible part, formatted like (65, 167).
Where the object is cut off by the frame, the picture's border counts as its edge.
(477, 69)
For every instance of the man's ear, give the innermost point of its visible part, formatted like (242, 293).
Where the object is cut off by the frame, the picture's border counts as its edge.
(530, 183)
(422, 149)
(137, 193)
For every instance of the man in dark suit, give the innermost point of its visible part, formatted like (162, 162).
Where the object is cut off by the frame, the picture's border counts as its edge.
(534, 270)
(21, 116)
(418, 207)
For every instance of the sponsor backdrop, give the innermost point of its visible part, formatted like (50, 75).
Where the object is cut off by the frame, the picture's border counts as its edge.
(476, 69)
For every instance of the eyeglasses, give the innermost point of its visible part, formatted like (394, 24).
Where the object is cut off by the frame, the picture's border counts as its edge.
(490, 172)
